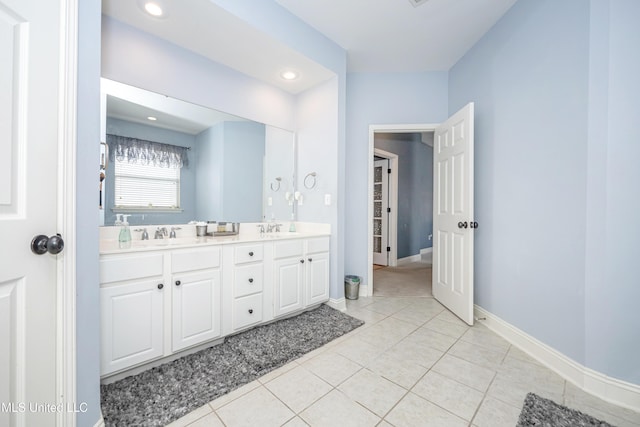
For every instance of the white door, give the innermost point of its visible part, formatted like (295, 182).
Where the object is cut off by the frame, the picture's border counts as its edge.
(289, 281)
(380, 212)
(29, 99)
(453, 221)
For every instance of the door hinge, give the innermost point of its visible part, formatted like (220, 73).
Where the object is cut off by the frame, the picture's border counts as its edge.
(388, 248)
(388, 170)
(388, 210)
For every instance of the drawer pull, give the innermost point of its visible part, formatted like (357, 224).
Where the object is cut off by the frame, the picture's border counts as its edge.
(250, 280)
(251, 311)
(251, 253)
(178, 282)
(160, 286)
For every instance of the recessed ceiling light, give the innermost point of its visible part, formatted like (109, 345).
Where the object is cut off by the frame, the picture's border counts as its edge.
(289, 75)
(153, 119)
(153, 8)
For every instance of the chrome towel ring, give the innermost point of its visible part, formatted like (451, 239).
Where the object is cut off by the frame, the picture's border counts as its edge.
(310, 180)
(278, 179)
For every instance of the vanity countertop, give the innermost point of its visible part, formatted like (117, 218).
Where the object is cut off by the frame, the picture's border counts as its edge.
(111, 245)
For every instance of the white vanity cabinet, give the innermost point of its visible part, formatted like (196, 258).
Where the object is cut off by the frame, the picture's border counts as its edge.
(246, 286)
(196, 297)
(317, 271)
(131, 309)
(301, 274)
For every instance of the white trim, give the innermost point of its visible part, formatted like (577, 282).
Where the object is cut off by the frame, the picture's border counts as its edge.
(100, 422)
(66, 214)
(609, 389)
(409, 259)
(373, 129)
(337, 303)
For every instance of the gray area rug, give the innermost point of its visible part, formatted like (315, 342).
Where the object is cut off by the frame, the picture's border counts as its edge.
(170, 391)
(538, 411)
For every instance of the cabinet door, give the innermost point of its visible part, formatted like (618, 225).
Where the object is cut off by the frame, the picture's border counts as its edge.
(317, 278)
(131, 324)
(289, 280)
(196, 308)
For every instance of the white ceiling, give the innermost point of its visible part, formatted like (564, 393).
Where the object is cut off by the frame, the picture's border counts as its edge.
(379, 35)
(393, 35)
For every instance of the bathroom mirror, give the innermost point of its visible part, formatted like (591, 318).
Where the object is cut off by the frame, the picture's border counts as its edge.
(235, 169)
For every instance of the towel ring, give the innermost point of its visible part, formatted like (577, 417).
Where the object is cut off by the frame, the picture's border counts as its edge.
(278, 179)
(310, 180)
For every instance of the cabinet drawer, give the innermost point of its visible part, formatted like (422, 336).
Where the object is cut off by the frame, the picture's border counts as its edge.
(247, 311)
(288, 249)
(247, 253)
(195, 259)
(247, 280)
(129, 267)
(318, 244)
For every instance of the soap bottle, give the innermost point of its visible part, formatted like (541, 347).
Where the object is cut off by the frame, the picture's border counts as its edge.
(124, 238)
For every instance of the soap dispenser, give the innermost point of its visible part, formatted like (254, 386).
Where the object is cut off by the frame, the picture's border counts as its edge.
(124, 238)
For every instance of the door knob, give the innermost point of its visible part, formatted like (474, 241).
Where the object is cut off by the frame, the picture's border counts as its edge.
(178, 283)
(462, 224)
(473, 224)
(42, 244)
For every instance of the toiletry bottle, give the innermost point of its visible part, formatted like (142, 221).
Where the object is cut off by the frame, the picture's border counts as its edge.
(124, 238)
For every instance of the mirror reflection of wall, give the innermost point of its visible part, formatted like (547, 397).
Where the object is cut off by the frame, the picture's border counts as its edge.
(229, 160)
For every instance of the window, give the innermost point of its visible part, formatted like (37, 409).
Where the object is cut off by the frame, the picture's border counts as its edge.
(146, 186)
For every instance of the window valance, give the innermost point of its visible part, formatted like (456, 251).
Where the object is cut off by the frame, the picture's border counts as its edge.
(142, 152)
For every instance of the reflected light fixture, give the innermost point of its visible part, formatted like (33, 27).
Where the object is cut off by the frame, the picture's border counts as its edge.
(289, 75)
(153, 119)
(153, 8)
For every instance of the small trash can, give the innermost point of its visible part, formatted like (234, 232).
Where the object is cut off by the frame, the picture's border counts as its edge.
(351, 287)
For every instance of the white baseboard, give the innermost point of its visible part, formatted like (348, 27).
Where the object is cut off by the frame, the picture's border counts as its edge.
(609, 389)
(338, 304)
(414, 258)
(426, 251)
(100, 422)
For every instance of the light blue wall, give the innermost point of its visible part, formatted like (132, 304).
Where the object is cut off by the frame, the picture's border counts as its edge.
(415, 190)
(209, 154)
(243, 164)
(229, 162)
(87, 241)
(556, 175)
(187, 174)
(380, 98)
(612, 291)
(529, 84)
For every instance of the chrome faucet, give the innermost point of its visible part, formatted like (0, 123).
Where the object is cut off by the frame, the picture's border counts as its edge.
(271, 227)
(160, 233)
(145, 235)
(172, 235)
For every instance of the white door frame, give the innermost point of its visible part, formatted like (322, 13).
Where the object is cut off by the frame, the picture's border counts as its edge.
(66, 214)
(393, 222)
(392, 219)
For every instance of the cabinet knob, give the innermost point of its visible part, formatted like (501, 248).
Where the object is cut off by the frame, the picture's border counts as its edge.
(251, 311)
(160, 286)
(178, 282)
(250, 280)
(251, 253)
(310, 259)
(301, 261)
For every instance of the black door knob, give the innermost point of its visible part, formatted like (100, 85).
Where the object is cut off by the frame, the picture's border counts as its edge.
(251, 311)
(301, 261)
(42, 244)
(160, 286)
(250, 253)
(250, 280)
(310, 259)
(178, 283)
(462, 224)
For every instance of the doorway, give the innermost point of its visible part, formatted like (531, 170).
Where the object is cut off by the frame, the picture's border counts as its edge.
(393, 200)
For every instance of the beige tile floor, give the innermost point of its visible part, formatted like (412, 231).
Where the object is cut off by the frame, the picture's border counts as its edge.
(412, 364)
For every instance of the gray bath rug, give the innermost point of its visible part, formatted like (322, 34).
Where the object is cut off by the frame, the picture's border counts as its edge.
(167, 392)
(538, 411)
